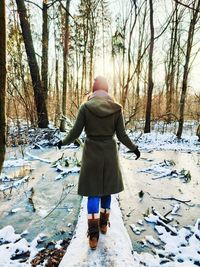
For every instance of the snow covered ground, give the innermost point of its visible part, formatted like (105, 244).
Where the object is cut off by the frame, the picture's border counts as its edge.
(167, 141)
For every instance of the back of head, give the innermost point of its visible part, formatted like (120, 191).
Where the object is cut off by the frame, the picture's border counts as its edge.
(100, 83)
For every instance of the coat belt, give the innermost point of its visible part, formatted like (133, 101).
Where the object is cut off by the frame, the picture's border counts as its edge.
(99, 138)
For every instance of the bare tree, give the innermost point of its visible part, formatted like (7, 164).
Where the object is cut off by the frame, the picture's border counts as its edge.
(2, 80)
(65, 64)
(190, 38)
(34, 70)
(147, 127)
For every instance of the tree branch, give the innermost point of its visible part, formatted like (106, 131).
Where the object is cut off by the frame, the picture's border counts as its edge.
(28, 1)
(182, 4)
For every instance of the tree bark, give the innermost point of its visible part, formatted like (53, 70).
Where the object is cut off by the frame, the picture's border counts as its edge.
(147, 127)
(171, 68)
(2, 80)
(45, 46)
(65, 66)
(194, 19)
(34, 70)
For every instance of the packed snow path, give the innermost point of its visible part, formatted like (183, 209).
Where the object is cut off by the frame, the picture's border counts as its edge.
(114, 248)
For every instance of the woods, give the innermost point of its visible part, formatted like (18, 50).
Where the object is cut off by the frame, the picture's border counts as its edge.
(86, 88)
(148, 51)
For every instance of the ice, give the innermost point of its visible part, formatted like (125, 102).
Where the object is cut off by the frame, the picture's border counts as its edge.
(15, 210)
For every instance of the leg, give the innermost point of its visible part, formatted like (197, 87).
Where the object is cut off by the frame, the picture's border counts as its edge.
(93, 221)
(104, 214)
(93, 207)
(105, 202)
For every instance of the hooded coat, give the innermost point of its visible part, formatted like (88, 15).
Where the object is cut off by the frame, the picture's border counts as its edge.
(100, 173)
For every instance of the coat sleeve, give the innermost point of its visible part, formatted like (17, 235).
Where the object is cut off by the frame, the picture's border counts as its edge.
(76, 130)
(121, 134)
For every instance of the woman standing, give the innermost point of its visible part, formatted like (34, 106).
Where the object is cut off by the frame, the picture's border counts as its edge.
(100, 175)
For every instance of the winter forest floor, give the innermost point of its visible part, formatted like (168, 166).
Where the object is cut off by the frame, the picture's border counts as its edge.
(160, 207)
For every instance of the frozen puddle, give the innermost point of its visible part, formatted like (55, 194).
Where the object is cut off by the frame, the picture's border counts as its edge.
(114, 248)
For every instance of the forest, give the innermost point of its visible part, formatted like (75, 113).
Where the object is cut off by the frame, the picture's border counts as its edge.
(149, 52)
(52, 50)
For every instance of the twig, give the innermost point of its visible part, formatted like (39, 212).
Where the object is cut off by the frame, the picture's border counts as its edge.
(165, 215)
(60, 200)
(162, 218)
(176, 199)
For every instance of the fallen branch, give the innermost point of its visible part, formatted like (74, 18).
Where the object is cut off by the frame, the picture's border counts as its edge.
(37, 158)
(161, 217)
(176, 199)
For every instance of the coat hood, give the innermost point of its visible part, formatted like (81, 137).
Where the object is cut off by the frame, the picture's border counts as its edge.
(102, 107)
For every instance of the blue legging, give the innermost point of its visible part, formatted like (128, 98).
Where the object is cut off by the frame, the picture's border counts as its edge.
(93, 203)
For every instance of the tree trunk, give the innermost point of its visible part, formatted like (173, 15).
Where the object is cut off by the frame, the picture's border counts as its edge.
(2, 80)
(34, 70)
(170, 76)
(126, 87)
(65, 66)
(57, 115)
(194, 19)
(147, 127)
(45, 46)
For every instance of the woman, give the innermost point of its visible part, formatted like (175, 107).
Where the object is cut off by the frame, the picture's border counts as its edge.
(100, 175)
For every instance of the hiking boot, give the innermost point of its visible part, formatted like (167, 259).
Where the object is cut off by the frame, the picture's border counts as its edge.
(104, 221)
(93, 232)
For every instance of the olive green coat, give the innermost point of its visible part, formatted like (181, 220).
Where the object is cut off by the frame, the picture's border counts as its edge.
(100, 172)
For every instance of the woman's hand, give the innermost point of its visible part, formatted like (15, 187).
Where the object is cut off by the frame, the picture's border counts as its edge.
(136, 152)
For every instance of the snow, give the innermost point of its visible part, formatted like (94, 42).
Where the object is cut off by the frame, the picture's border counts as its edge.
(136, 229)
(151, 240)
(66, 171)
(7, 234)
(183, 248)
(14, 184)
(157, 141)
(15, 210)
(164, 169)
(13, 244)
(37, 158)
(114, 248)
(15, 163)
